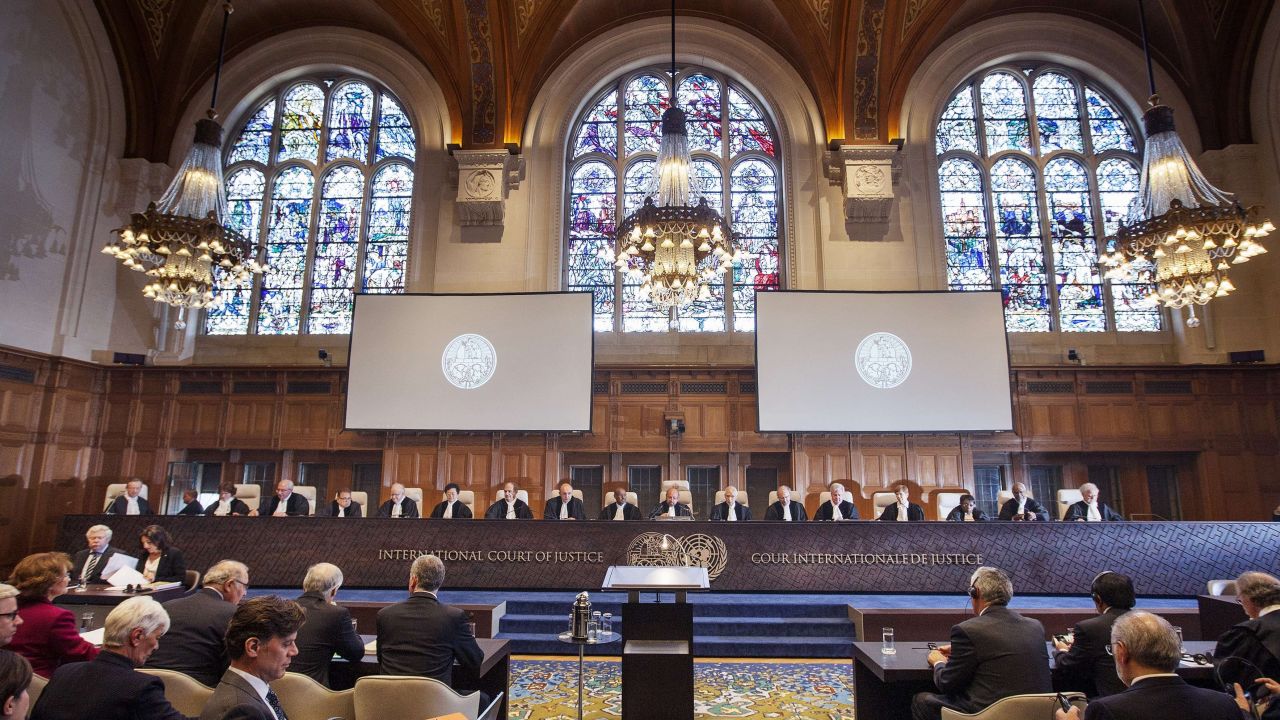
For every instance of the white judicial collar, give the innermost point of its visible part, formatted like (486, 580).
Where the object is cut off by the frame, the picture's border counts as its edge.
(448, 509)
(671, 510)
(342, 512)
(621, 512)
(732, 512)
(564, 510)
(397, 508)
(511, 509)
(903, 513)
(1092, 514)
(224, 508)
(786, 511)
(131, 505)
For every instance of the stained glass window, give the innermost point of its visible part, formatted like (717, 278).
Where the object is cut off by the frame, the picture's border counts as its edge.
(1035, 166)
(738, 174)
(321, 175)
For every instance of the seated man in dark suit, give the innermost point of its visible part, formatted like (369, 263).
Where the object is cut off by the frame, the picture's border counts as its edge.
(564, 506)
(671, 507)
(1147, 654)
(1023, 508)
(227, 503)
(398, 505)
(284, 502)
(620, 509)
(131, 502)
(1256, 641)
(197, 623)
(88, 564)
(328, 629)
(994, 655)
(837, 508)
(1082, 664)
(261, 642)
(190, 504)
(730, 510)
(903, 510)
(343, 506)
(786, 509)
(966, 511)
(1090, 509)
(451, 508)
(108, 687)
(509, 507)
(421, 636)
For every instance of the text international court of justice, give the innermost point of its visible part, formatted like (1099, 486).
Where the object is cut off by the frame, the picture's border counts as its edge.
(670, 359)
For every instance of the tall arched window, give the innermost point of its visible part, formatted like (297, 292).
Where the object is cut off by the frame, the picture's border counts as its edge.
(322, 172)
(609, 178)
(1035, 166)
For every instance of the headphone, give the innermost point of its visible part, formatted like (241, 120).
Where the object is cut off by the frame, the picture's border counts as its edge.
(973, 591)
(1217, 676)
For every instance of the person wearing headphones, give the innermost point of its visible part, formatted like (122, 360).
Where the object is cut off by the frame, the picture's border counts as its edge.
(992, 656)
(1081, 662)
(1251, 650)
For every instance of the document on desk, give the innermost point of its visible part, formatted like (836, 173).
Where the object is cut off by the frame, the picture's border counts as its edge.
(94, 637)
(371, 647)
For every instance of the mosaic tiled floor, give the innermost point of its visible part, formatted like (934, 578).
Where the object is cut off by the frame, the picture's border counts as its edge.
(546, 688)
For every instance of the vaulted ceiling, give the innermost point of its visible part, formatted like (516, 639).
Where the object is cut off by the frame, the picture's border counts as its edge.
(491, 56)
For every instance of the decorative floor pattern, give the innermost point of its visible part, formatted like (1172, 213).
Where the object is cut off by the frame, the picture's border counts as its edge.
(546, 688)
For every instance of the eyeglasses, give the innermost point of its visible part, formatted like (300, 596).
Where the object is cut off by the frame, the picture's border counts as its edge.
(245, 584)
(10, 616)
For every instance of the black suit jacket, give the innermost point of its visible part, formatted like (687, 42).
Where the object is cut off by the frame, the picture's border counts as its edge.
(1257, 641)
(172, 566)
(120, 505)
(192, 508)
(353, 510)
(194, 644)
(421, 636)
(1080, 511)
(1166, 698)
(629, 512)
(798, 513)
(328, 630)
(408, 508)
(957, 514)
(498, 511)
(460, 511)
(994, 655)
(847, 509)
(1011, 506)
(294, 506)
(915, 513)
(238, 507)
(1087, 667)
(235, 699)
(682, 510)
(552, 510)
(77, 564)
(105, 688)
(721, 512)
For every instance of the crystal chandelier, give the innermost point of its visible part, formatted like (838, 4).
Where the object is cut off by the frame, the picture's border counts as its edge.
(179, 240)
(1182, 233)
(674, 246)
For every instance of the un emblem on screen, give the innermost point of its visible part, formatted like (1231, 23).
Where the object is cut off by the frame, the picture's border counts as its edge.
(883, 360)
(469, 361)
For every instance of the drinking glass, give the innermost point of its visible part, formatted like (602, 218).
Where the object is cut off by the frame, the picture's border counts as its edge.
(86, 621)
(887, 646)
(606, 624)
(1177, 629)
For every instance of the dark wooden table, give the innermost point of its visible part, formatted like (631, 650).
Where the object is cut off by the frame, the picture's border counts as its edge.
(930, 623)
(98, 600)
(493, 676)
(884, 684)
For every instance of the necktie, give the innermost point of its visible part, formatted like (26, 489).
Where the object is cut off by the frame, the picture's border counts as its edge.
(274, 702)
(90, 566)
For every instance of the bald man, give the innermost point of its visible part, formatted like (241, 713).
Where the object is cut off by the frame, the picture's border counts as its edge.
(1022, 507)
(398, 505)
(284, 502)
(730, 510)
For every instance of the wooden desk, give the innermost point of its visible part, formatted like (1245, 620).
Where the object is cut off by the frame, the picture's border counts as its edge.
(485, 615)
(493, 676)
(925, 624)
(884, 684)
(95, 597)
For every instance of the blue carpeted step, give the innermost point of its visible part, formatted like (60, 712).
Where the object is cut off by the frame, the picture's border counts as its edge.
(728, 610)
(748, 626)
(709, 646)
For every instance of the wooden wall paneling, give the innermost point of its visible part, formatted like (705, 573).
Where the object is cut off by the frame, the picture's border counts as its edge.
(1260, 421)
(706, 423)
(198, 422)
(1049, 423)
(412, 466)
(309, 422)
(251, 420)
(13, 510)
(1112, 424)
(149, 420)
(19, 406)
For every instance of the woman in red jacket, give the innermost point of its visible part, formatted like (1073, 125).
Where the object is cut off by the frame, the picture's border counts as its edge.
(47, 636)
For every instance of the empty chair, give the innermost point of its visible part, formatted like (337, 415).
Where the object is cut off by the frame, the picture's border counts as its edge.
(468, 498)
(308, 492)
(1036, 706)
(880, 501)
(250, 493)
(34, 689)
(1222, 587)
(394, 697)
(415, 494)
(362, 497)
(186, 694)
(305, 699)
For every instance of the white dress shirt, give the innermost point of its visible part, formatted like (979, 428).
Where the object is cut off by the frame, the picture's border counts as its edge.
(255, 682)
(223, 507)
(283, 506)
(733, 513)
(511, 509)
(397, 507)
(131, 506)
(903, 513)
(786, 511)
(342, 511)
(621, 512)
(671, 510)
(835, 511)
(1092, 514)
(448, 509)
(564, 510)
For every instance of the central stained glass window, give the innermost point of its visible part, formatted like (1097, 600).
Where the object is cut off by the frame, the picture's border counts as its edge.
(1035, 167)
(322, 173)
(611, 158)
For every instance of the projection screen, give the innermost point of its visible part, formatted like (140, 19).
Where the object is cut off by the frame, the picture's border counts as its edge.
(882, 362)
(471, 362)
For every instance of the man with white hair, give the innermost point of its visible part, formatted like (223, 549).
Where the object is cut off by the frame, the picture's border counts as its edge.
(994, 655)
(328, 629)
(199, 621)
(1255, 642)
(108, 687)
(730, 510)
(422, 636)
(1147, 654)
(89, 563)
(131, 502)
(786, 509)
(9, 619)
(398, 505)
(838, 507)
(284, 502)
(1090, 509)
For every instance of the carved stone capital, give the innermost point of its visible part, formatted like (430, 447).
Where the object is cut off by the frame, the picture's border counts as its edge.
(868, 174)
(484, 179)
